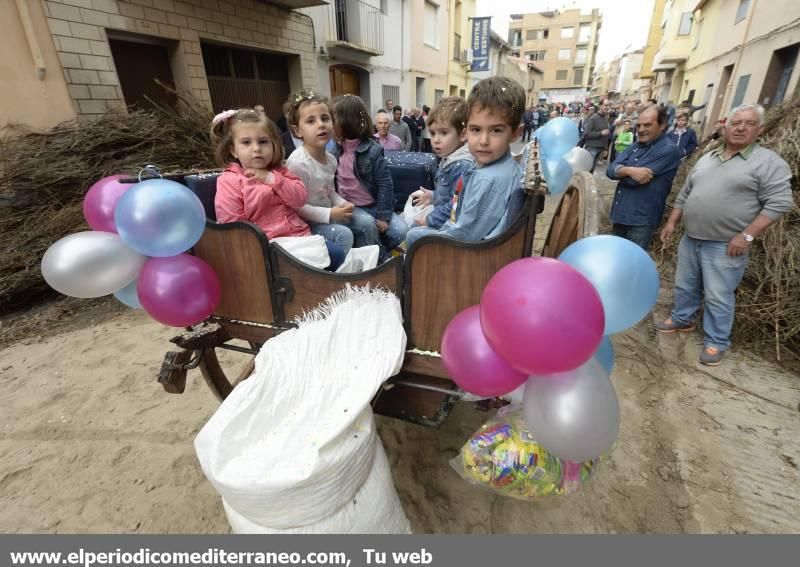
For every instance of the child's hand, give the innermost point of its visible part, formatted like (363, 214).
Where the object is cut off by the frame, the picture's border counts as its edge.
(382, 225)
(422, 197)
(342, 213)
(260, 174)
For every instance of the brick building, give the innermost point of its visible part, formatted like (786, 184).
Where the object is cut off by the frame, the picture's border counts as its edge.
(82, 57)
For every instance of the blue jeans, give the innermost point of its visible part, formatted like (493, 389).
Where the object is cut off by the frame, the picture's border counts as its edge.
(706, 273)
(418, 232)
(336, 233)
(365, 233)
(638, 234)
(595, 156)
(336, 254)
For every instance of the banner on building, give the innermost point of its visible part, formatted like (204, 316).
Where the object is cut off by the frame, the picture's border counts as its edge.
(481, 31)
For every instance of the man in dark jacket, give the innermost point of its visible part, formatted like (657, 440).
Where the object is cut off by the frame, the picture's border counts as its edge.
(413, 127)
(527, 120)
(683, 136)
(595, 132)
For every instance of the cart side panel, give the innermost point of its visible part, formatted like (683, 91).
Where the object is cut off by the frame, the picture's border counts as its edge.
(238, 253)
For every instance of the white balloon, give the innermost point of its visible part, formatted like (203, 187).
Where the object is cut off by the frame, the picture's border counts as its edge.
(573, 414)
(90, 264)
(579, 159)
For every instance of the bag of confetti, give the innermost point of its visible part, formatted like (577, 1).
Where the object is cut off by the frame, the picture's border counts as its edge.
(504, 457)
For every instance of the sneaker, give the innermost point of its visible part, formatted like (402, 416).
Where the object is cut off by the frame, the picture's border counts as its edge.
(711, 356)
(670, 326)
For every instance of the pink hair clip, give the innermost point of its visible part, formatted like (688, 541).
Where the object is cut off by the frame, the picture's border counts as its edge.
(222, 116)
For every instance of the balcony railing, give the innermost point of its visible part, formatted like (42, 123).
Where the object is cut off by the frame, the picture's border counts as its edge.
(356, 25)
(459, 55)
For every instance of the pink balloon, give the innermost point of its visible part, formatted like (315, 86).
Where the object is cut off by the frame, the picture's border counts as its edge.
(178, 290)
(542, 316)
(100, 200)
(471, 362)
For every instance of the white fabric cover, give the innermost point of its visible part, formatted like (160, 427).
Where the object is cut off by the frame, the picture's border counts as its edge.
(308, 249)
(295, 443)
(360, 259)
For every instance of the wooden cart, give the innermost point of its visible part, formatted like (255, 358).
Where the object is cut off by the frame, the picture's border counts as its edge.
(264, 289)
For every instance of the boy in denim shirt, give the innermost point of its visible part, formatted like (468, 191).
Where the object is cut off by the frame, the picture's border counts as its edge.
(446, 124)
(483, 200)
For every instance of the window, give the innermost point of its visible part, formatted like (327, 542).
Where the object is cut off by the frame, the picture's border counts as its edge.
(561, 75)
(431, 24)
(584, 33)
(741, 89)
(580, 56)
(566, 33)
(384, 7)
(741, 12)
(515, 37)
(690, 98)
(536, 55)
(390, 92)
(685, 26)
(564, 54)
(536, 34)
(577, 79)
(438, 95)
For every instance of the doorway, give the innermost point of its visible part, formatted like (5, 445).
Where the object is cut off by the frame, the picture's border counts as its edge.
(139, 65)
(780, 69)
(344, 80)
(721, 91)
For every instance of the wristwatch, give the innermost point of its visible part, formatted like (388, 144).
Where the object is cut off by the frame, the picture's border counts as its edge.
(748, 237)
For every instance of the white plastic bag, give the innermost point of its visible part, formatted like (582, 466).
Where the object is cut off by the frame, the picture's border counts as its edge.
(360, 259)
(411, 212)
(310, 249)
(296, 442)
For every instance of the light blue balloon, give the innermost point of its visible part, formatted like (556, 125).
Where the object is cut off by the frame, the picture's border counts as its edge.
(557, 172)
(128, 296)
(624, 275)
(159, 218)
(558, 136)
(605, 355)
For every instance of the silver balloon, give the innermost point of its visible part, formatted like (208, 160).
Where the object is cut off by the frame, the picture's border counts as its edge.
(90, 264)
(579, 159)
(575, 414)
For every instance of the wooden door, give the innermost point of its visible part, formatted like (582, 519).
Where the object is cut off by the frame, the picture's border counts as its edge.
(139, 65)
(344, 81)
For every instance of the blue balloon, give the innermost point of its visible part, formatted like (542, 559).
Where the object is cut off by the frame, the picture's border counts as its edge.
(622, 273)
(558, 136)
(557, 172)
(605, 355)
(159, 218)
(128, 296)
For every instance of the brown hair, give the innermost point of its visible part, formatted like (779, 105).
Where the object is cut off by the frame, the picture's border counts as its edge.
(451, 111)
(222, 136)
(298, 100)
(351, 116)
(499, 94)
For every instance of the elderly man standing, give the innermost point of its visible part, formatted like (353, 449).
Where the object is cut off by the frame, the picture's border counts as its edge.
(595, 132)
(385, 139)
(400, 129)
(731, 196)
(645, 172)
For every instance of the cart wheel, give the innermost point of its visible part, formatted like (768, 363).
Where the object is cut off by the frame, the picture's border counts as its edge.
(223, 369)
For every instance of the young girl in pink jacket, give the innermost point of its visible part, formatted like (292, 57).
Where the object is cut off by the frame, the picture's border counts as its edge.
(255, 187)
